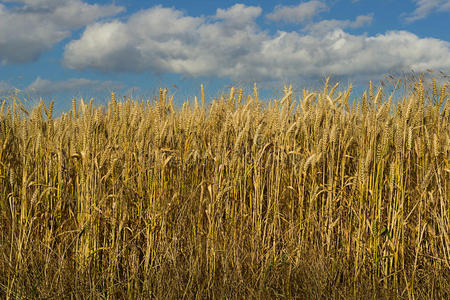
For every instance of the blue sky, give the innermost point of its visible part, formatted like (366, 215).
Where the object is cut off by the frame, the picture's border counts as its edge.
(57, 49)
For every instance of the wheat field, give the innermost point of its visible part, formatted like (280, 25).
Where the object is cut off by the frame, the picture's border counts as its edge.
(304, 197)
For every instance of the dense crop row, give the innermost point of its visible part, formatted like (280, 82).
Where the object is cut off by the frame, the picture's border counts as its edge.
(302, 197)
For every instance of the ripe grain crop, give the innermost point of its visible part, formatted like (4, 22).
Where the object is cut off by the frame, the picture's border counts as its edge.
(308, 196)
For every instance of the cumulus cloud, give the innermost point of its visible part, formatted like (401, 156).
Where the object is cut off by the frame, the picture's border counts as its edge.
(215, 46)
(426, 7)
(45, 87)
(297, 14)
(188, 45)
(325, 26)
(340, 53)
(239, 14)
(31, 27)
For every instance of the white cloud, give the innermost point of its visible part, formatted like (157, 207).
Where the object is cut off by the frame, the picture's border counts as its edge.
(325, 26)
(340, 53)
(47, 87)
(188, 45)
(5, 88)
(425, 8)
(297, 14)
(239, 14)
(213, 46)
(8, 89)
(33, 26)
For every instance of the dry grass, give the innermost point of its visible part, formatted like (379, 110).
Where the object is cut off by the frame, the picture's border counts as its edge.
(242, 198)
